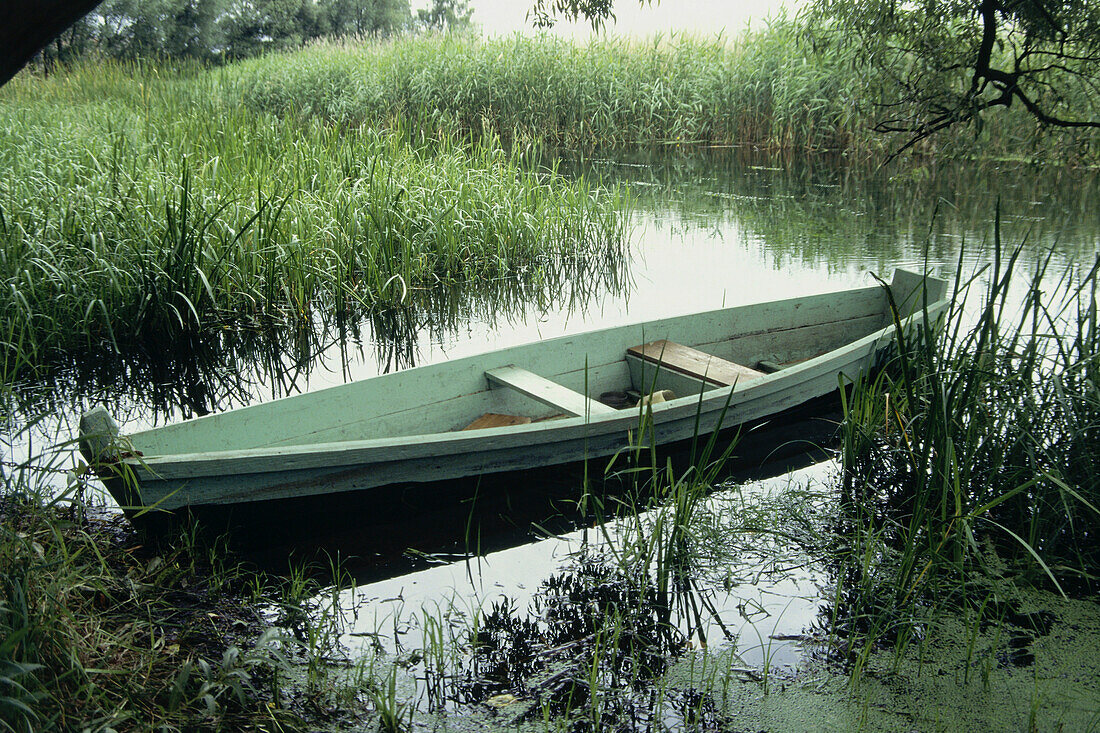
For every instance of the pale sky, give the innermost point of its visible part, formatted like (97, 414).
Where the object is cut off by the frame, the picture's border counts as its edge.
(704, 17)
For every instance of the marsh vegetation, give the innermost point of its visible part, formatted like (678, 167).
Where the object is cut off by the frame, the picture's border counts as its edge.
(764, 89)
(140, 210)
(181, 238)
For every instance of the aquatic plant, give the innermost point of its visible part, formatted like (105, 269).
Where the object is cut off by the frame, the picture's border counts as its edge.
(594, 643)
(973, 457)
(139, 209)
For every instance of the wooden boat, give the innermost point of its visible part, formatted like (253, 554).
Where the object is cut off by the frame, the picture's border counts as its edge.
(517, 408)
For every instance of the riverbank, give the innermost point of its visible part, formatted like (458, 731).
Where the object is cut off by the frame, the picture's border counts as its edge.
(147, 618)
(103, 629)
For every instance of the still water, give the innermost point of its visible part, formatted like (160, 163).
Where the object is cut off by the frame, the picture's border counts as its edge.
(709, 229)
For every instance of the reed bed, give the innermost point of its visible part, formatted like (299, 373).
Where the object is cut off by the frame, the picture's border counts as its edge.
(761, 89)
(610, 92)
(971, 463)
(139, 205)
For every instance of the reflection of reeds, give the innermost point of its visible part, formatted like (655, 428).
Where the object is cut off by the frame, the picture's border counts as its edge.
(144, 209)
(974, 456)
(824, 211)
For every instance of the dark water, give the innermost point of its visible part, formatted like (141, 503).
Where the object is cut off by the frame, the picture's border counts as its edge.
(710, 229)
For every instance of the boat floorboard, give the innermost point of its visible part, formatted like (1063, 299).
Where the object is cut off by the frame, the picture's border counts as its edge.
(497, 420)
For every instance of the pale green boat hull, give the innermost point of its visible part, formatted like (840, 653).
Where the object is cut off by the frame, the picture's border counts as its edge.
(406, 426)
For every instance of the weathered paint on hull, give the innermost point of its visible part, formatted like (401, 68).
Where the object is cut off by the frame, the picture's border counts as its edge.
(276, 471)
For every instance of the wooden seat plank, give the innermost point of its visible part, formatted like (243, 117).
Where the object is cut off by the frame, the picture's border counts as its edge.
(548, 393)
(694, 363)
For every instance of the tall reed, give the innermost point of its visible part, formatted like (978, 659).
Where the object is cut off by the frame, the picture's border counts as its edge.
(974, 456)
(609, 92)
(762, 88)
(139, 206)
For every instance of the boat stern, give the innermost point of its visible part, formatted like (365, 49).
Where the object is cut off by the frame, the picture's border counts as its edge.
(102, 447)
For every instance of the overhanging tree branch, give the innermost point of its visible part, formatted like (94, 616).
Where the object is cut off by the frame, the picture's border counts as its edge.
(941, 63)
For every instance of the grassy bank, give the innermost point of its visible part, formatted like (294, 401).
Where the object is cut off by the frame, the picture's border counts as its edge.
(139, 205)
(101, 631)
(760, 89)
(611, 92)
(107, 628)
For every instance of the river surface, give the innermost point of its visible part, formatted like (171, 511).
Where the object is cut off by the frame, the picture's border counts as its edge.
(709, 229)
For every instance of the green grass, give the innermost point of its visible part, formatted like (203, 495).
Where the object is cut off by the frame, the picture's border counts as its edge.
(761, 89)
(98, 632)
(139, 205)
(103, 627)
(974, 459)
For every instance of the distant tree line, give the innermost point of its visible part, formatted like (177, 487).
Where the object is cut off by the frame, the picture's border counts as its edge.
(220, 30)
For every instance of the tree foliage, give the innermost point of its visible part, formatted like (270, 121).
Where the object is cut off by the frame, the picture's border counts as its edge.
(545, 12)
(213, 30)
(947, 62)
(173, 28)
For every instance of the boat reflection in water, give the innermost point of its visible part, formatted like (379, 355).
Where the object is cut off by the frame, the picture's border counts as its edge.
(410, 526)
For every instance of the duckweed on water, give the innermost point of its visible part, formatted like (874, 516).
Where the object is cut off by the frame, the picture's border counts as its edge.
(960, 678)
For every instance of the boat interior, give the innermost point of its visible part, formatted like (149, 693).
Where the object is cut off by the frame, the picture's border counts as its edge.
(659, 371)
(585, 375)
